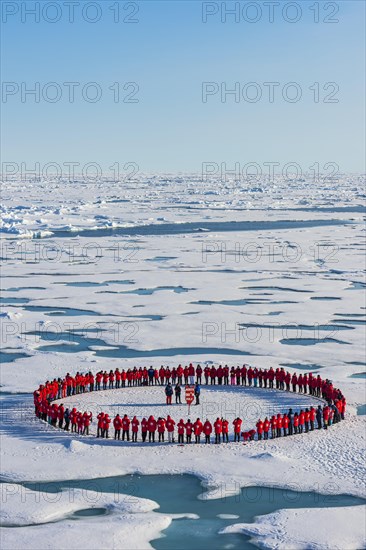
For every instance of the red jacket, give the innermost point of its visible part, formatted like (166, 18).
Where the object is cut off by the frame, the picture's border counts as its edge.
(189, 428)
(237, 425)
(87, 418)
(135, 424)
(126, 423)
(117, 423)
(259, 426)
(151, 424)
(144, 425)
(198, 427)
(218, 426)
(180, 427)
(161, 426)
(225, 427)
(106, 422)
(207, 428)
(100, 420)
(170, 424)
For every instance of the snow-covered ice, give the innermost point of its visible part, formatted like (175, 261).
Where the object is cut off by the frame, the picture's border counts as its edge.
(79, 292)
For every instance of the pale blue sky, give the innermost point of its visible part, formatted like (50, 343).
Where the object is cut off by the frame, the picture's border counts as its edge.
(169, 53)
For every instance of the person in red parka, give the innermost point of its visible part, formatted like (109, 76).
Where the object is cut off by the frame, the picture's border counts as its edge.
(100, 424)
(144, 426)
(207, 430)
(343, 408)
(237, 428)
(54, 414)
(279, 425)
(106, 423)
(161, 429)
(287, 380)
(301, 421)
(252, 434)
(135, 428)
(326, 416)
(273, 426)
(312, 418)
(60, 415)
(266, 425)
(87, 419)
(73, 419)
(189, 430)
(117, 424)
(80, 422)
(225, 430)
(259, 426)
(181, 428)
(294, 382)
(218, 430)
(285, 424)
(296, 423)
(170, 428)
(307, 420)
(198, 428)
(151, 426)
(126, 428)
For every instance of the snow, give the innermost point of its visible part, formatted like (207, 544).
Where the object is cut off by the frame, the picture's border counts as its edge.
(30, 510)
(217, 267)
(307, 529)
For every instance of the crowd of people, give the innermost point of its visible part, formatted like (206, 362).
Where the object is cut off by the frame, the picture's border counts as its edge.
(290, 423)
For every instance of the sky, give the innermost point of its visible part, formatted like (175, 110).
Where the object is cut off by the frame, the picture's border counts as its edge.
(172, 62)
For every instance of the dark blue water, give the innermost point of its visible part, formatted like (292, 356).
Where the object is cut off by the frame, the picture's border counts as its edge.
(311, 341)
(358, 375)
(284, 289)
(18, 288)
(95, 284)
(149, 291)
(11, 357)
(181, 494)
(60, 311)
(13, 300)
(194, 227)
(314, 328)
(361, 410)
(324, 298)
(350, 314)
(350, 321)
(161, 258)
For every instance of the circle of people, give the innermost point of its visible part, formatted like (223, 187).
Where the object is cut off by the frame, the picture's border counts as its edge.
(291, 423)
